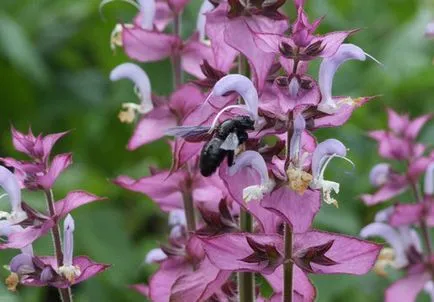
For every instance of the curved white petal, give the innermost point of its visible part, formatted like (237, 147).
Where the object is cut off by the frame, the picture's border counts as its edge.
(243, 86)
(383, 215)
(68, 240)
(9, 183)
(327, 71)
(155, 255)
(379, 174)
(392, 237)
(323, 152)
(148, 9)
(428, 186)
(295, 143)
(177, 217)
(140, 79)
(251, 159)
(201, 19)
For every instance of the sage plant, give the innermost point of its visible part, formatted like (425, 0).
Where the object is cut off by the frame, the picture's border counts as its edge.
(23, 224)
(254, 215)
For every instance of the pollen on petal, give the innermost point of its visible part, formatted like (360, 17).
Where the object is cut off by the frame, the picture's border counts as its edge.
(12, 282)
(298, 179)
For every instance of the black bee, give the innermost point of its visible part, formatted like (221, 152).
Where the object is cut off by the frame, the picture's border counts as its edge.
(222, 141)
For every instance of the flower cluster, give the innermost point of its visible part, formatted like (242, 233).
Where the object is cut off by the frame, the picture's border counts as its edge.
(23, 224)
(397, 223)
(248, 175)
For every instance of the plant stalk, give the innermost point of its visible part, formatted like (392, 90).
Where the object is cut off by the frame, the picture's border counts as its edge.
(287, 265)
(423, 225)
(65, 293)
(246, 281)
(176, 58)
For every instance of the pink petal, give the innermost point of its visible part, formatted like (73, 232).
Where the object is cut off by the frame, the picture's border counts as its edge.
(235, 184)
(141, 289)
(406, 214)
(353, 256)
(194, 53)
(49, 141)
(407, 288)
(303, 287)
(152, 127)
(161, 283)
(341, 116)
(397, 123)
(332, 41)
(395, 186)
(200, 284)
(416, 125)
(58, 165)
(19, 240)
(88, 269)
(297, 210)
(247, 27)
(148, 46)
(23, 143)
(74, 200)
(165, 190)
(226, 251)
(177, 5)
(184, 100)
(224, 54)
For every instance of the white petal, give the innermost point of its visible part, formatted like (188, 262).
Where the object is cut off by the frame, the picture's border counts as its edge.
(140, 79)
(155, 255)
(148, 9)
(201, 19)
(429, 180)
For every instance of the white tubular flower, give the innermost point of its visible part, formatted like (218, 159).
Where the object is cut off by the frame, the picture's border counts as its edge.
(400, 241)
(429, 30)
(142, 84)
(428, 186)
(68, 270)
(9, 183)
(327, 71)
(244, 87)
(322, 156)
(155, 256)
(201, 19)
(7, 228)
(254, 160)
(379, 174)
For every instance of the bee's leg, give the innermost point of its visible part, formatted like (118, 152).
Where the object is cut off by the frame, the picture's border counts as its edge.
(231, 155)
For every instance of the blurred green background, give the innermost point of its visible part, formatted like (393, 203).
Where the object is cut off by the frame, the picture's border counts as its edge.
(54, 64)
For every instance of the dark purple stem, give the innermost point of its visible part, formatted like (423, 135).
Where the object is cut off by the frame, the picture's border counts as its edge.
(65, 293)
(423, 225)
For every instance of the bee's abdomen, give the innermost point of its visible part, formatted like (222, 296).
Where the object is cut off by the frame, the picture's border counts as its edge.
(211, 157)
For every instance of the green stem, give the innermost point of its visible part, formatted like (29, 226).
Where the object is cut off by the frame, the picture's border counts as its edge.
(423, 225)
(65, 293)
(246, 281)
(189, 210)
(287, 265)
(176, 58)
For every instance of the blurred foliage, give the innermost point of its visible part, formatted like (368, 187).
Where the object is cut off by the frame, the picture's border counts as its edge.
(54, 65)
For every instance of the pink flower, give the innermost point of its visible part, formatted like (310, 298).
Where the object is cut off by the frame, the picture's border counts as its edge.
(313, 252)
(399, 141)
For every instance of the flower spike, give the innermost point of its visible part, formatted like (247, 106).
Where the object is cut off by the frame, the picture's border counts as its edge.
(141, 81)
(257, 162)
(428, 187)
(68, 270)
(327, 71)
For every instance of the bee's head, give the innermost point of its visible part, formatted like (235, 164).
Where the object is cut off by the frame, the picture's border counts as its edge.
(245, 122)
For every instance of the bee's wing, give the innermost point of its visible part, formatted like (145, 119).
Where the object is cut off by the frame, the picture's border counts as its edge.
(231, 142)
(190, 133)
